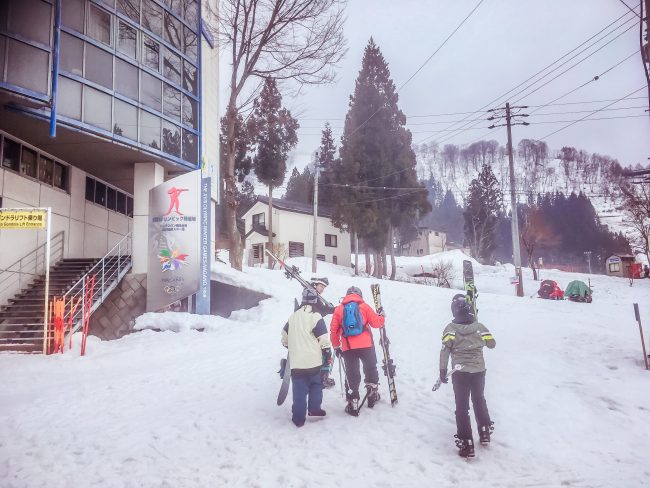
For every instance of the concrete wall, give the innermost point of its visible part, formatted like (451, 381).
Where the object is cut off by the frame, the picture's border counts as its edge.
(116, 316)
(297, 227)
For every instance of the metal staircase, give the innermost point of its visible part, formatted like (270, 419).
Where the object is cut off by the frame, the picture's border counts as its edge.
(22, 318)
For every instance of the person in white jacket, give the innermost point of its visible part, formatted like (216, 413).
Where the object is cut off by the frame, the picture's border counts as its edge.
(307, 338)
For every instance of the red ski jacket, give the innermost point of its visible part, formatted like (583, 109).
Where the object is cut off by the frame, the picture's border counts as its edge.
(369, 317)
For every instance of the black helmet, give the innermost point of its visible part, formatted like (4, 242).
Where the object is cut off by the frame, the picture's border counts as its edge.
(355, 290)
(309, 297)
(460, 307)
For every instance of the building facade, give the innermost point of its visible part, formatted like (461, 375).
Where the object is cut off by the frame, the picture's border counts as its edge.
(293, 230)
(101, 100)
(427, 241)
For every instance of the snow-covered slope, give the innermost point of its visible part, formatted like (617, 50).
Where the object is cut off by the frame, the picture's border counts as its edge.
(565, 387)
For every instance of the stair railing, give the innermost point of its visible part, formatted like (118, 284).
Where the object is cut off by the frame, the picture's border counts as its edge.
(108, 273)
(32, 265)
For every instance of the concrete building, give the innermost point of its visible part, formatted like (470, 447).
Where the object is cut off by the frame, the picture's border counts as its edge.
(99, 102)
(293, 233)
(426, 242)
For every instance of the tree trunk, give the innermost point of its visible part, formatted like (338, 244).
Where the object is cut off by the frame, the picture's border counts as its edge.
(532, 266)
(393, 267)
(234, 237)
(384, 264)
(355, 241)
(270, 227)
(377, 265)
(368, 264)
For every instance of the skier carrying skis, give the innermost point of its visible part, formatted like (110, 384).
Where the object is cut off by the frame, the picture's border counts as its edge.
(320, 284)
(464, 339)
(305, 335)
(352, 338)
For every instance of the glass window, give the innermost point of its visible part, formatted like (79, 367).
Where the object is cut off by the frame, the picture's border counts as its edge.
(90, 189)
(152, 17)
(191, 12)
(28, 162)
(110, 198)
(3, 43)
(189, 77)
(46, 170)
(126, 79)
(129, 206)
(172, 102)
(61, 176)
(99, 66)
(126, 120)
(172, 67)
(151, 93)
(171, 139)
(11, 154)
(190, 43)
(97, 108)
(72, 14)
(130, 8)
(190, 147)
(259, 220)
(27, 19)
(68, 98)
(330, 240)
(100, 193)
(190, 112)
(99, 24)
(175, 6)
(72, 54)
(173, 31)
(27, 66)
(127, 41)
(120, 203)
(150, 53)
(149, 129)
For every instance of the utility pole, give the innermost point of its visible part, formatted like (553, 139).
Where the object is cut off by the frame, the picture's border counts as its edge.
(509, 116)
(588, 254)
(645, 47)
(315, 236)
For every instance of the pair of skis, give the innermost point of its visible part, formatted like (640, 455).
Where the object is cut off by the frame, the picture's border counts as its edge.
(471, 294)
(388, 365)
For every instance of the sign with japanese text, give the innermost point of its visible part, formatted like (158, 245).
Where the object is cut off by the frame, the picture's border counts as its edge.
(23, 218)
(173, 266)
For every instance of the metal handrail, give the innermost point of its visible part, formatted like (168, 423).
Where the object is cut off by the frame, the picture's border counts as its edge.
(31, 265)
(108, 272)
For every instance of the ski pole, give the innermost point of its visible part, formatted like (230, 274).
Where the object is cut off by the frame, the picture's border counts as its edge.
(638, 319)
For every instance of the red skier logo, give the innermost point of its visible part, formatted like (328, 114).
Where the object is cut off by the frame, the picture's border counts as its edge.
(174, 193)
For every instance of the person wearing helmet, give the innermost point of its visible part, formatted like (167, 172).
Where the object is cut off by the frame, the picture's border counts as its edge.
(463, 339)
(305, 335)
(351, 338)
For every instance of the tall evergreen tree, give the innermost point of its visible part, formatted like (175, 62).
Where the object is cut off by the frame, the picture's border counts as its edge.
(377, 160)
(300, 186)
(327, 166)
(275, 135)
(483, 204)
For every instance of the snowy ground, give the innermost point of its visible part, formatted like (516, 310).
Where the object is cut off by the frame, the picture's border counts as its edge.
(565, 387)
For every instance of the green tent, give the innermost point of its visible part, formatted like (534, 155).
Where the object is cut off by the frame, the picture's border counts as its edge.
(578, 291)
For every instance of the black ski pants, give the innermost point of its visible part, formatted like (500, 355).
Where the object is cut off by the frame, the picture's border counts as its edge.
(466, 384)
(368, 359)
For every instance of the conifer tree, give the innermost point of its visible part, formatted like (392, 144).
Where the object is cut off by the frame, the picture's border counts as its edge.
(483, 204)
(275, 135)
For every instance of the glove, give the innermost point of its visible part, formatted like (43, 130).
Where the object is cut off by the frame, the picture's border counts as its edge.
(443, 376)
(338, 352)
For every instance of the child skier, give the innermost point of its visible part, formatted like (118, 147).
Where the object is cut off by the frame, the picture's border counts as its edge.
(351, 337)
(320, 284)
(305, 335)
(464, 339)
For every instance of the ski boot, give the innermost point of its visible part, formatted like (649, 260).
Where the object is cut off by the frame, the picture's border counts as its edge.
(352, 408)
(465, 447)
(317, 413)
(328, 382)
(373, 394)
(485, 432)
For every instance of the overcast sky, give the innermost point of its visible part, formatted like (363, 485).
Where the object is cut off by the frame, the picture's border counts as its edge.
(501, 45)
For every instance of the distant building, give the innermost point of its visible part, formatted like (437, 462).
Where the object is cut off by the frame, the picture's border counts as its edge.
(293, 232)
(623, 265)
(428, 241)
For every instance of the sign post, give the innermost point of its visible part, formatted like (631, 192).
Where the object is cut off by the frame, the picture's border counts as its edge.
(203, 296)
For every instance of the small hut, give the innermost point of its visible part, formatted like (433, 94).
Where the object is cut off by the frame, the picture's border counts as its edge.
(623, 265)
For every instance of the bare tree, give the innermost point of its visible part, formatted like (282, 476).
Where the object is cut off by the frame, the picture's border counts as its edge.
(536, 233)
(298, 40)
(636, 198)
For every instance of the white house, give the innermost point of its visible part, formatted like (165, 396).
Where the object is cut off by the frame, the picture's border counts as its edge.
(293, 232)
(427, 242)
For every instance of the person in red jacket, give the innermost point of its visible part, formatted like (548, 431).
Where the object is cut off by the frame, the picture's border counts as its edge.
(351, 338)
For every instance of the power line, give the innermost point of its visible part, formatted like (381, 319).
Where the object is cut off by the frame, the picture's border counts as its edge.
(547, 67)
(423, 64)
(630, 8)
